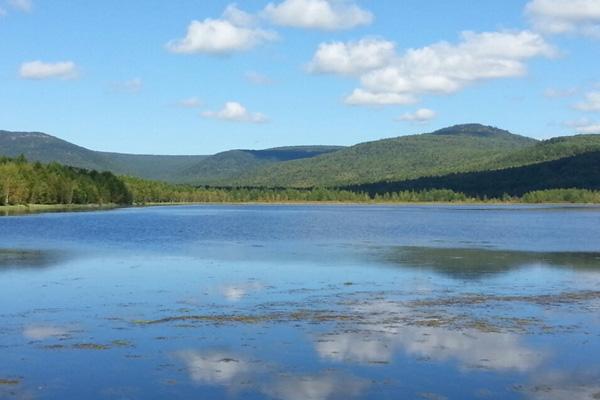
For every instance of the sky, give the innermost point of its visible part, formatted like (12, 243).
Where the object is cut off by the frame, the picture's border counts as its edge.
(199, 77)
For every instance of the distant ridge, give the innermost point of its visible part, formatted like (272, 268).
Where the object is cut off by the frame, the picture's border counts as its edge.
(199, 169)
(458, 149)
(472, 129)
(454, 149)
(580, 171)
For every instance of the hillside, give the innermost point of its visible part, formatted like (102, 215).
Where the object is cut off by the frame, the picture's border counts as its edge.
(548, 150)
(231, 164)
(198, 169)
(454, 149)
(580, 171)
(37, 146)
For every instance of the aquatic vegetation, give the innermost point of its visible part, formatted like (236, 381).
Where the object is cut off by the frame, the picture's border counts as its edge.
(90, 346)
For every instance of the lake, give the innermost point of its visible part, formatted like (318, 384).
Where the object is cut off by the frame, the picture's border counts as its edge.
(301, 303)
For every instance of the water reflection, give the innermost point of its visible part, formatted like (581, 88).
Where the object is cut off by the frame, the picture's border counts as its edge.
(464, 263)
(236, 292)
(316, 387)
(235, 373)
(573, 385)
(470, 348)
(215, 367)
(42, 332)
(22, 259)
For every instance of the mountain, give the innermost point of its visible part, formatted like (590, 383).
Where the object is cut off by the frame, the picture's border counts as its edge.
(465, 153)
(548, 150)
(199, 169)
(579, 171)
(455, 149)
(37, 146)
(229, 165)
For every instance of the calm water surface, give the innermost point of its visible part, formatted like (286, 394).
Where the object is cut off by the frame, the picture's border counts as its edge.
(301, 303)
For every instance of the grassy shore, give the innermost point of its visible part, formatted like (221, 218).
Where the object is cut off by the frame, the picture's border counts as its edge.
(41, 208)
(44, 208)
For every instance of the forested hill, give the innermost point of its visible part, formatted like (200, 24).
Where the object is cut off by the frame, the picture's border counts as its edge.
(547, 150)
(580, 171)
(37, 146)
(230, 165)
(199, 169)
(454, 149)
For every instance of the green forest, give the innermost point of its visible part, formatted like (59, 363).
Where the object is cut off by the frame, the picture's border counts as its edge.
(25, 183)
(22, 182)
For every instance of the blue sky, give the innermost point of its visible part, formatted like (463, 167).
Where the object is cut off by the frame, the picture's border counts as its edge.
(198, 77)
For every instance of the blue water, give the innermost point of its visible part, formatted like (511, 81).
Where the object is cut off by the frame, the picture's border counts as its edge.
(301, 302)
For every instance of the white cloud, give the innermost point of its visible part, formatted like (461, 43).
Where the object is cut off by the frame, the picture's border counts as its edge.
(447, 68)
(233, 32)
(234, 111)
(584, 125)
(421, 115)
(133, 86)
(444, 68)
(21, 5)
(591, 102)
(565, 16)
(352, 57)
(257, 78)
(43, 70)
(190, 102)
(593, 128)
(318, 14)
(239, 17)
(553, 93)
(361, 97)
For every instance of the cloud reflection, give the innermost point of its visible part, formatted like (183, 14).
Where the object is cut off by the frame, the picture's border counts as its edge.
(236, 293)
(42, 332)
(218, 368)
(316, 387)
(378, 342)
(214, 368)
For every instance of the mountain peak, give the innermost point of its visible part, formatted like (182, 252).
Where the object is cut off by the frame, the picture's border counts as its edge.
(472, 130)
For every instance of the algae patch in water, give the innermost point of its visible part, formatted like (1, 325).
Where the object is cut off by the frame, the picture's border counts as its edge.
(90, 346)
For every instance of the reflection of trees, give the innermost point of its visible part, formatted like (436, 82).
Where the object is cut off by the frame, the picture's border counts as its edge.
(475, 263)
(19, 259)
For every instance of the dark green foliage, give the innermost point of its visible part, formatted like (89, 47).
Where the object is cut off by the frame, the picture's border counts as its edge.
(562, 196)
(26, 183)
(227, 166)
(547, 150)
(159, 192)
(580, 171)
(455, 149)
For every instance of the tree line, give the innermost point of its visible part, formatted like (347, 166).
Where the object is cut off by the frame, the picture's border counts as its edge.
(22, 182)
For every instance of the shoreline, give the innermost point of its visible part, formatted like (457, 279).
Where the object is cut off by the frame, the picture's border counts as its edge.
(29, 209)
